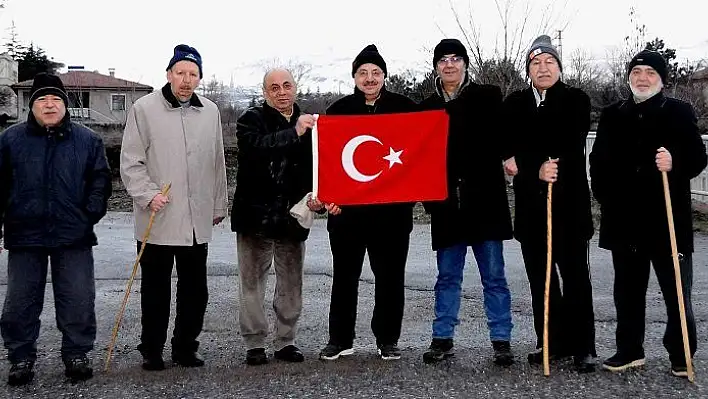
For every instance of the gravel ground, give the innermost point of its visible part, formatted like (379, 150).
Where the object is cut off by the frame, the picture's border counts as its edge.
(469, 374)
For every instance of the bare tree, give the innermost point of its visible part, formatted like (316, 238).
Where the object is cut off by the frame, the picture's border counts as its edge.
(301, 70)
(582, 71)
(505, 64)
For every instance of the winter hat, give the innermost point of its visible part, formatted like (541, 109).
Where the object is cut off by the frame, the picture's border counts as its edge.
(369, 55)
(186, 53)
(542, 44)
(653, 59)
(45, 83)
(450, 46)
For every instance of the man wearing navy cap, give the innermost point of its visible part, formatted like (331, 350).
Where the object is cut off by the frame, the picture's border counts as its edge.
(174, 136)
(54, 187)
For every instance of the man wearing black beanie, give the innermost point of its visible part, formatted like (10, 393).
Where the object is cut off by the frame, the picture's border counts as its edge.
(382, 230)
(54, 187)
(476, 212)
(639, 139)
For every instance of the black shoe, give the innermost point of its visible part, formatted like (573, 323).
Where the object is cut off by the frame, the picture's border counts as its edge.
(679, 370)
(256, 357)
(333, 351)
(502, 353)
(389, 352)
(621, 362)
(439, 349)
(21, 373)
(78, 368)
(584, 364)
(153, 362)
(187, 359)
(290, 353)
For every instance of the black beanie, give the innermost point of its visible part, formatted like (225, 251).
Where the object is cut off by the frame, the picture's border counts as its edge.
(653, 59)
(186, 53)
(542, 44)
(45, 83)
(369, 55)
(450, 46)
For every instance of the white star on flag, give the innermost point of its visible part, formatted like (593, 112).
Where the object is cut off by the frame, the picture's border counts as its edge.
(393, 157)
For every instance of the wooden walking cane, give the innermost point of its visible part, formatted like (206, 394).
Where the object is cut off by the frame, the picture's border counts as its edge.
(119, 317)
(677, 274)
(547, 291)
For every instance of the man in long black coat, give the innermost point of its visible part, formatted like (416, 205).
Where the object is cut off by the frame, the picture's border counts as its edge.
(549, 123)
(476, 212)
(382, 230)
(637, 139)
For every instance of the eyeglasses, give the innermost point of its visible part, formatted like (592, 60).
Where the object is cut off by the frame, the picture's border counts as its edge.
(362, 73)
(454, 59)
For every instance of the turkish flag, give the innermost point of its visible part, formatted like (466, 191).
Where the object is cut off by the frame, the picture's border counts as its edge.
(381, 158)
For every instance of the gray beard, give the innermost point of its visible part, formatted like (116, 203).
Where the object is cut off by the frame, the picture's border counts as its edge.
(641, 97)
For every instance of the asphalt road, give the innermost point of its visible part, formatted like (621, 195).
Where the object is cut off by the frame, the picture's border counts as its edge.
(469, 374)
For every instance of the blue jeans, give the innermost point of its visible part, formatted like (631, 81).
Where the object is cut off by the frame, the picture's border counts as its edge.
(497, 299)
(74, 298)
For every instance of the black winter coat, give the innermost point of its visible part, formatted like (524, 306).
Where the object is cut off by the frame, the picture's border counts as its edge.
(54, 185)
(477, 208)
(372, 219)
(627, 183)
(274, 173)
(557, 128)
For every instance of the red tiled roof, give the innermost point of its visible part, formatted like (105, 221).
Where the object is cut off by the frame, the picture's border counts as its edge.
(90, 80)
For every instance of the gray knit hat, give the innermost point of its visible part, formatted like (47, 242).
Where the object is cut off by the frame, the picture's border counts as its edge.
(542, 44)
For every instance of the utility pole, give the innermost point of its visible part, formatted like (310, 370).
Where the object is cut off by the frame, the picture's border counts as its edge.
(560, 44)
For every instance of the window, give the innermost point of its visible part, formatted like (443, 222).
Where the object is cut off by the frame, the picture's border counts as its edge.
(79, 99)
(117, 102)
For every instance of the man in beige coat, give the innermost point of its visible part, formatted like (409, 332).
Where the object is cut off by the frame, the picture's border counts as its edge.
(173, 136)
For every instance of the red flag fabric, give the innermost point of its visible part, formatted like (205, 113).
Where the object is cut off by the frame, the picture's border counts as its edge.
(381, 158)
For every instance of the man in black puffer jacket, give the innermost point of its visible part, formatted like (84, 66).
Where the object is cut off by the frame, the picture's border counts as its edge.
(274, 174)
(54, 187)
(637, 139)
(382, 230)
(548, 124)
(476, 212)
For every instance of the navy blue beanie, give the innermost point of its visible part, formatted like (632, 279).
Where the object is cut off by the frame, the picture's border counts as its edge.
(186, 53)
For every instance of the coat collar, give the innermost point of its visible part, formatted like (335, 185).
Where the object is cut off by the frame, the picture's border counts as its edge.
(174, 102)
(274, 113)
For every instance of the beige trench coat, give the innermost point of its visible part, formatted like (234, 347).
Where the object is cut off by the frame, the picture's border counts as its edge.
(164, 143)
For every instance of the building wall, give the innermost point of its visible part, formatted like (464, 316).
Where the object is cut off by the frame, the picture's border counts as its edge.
(99, 110)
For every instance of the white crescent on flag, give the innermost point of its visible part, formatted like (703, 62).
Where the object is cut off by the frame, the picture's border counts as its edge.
(348, 158)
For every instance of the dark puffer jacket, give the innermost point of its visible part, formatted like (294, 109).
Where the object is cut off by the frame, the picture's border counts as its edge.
(54, 185)
(274, 173)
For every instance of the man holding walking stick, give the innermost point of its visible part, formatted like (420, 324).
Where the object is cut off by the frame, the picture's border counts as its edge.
(638, 140)
(174, 136)
(548, 124)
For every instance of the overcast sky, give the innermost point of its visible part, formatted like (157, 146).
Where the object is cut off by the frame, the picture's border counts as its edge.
(136, 37)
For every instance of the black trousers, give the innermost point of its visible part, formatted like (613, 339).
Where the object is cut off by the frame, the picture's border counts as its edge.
(631, 280)
(387, 256)
(571, 319)
(155, 289)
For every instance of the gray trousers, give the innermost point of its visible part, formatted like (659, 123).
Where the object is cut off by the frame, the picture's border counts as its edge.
(255, 256)
(74, 298)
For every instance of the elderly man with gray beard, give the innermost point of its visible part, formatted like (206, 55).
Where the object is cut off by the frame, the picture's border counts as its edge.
(637, 140)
